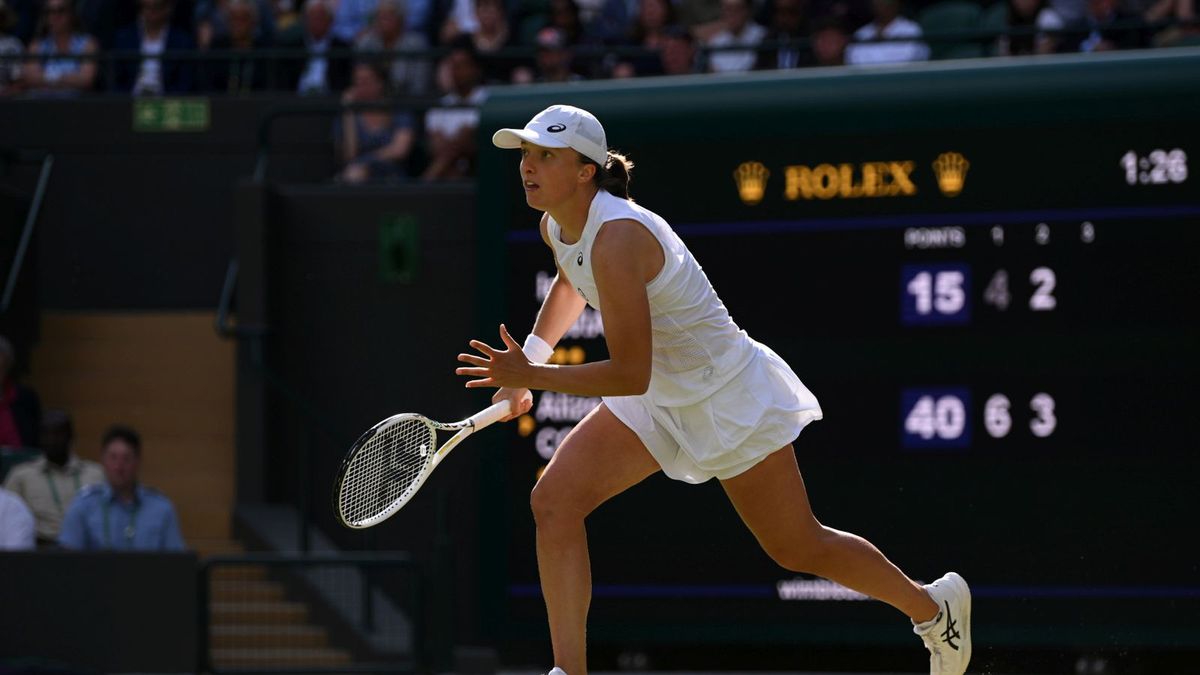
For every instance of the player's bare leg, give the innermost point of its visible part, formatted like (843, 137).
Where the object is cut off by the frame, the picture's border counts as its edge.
(773, 502)
(599, 459)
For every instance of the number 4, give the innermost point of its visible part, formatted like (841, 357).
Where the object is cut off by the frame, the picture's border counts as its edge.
(996, 292)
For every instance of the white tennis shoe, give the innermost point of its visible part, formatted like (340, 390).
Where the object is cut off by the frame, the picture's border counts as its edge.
(556, 671)
(948, 635)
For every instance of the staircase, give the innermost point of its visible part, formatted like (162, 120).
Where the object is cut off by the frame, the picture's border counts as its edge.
(253, 624)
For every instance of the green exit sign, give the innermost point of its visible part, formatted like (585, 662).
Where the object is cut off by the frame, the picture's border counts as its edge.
(170, 114)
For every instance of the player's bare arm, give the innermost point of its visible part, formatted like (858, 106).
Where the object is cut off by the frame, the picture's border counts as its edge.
(562, 306)
(624, 258)
(560, 310)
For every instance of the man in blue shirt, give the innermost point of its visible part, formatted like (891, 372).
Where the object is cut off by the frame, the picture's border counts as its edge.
(119, 513)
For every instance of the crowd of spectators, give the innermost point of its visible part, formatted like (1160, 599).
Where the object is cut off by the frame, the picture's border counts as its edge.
(49, 47)
(440, 56)
(56, 499)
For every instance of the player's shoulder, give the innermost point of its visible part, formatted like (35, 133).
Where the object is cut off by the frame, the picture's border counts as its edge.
(621, 239)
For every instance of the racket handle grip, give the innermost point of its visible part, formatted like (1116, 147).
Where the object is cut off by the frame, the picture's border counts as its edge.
(490, 415)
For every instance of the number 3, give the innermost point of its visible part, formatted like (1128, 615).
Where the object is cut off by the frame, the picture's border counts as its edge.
(1045, 423)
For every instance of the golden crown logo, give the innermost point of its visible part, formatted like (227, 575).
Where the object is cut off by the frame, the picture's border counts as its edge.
(951, 169)
(751, 179)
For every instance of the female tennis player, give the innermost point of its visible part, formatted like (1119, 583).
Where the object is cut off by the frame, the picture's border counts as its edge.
(684, 391)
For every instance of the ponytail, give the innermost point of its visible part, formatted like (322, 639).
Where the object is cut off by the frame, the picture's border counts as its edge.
(615, 175)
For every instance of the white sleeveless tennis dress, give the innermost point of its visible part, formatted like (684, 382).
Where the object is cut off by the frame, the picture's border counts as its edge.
(718, 402)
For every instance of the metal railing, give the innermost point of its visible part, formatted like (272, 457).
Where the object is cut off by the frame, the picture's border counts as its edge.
(271, 613)
(35, 207)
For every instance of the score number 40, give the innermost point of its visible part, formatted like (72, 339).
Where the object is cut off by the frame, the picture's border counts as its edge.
(938, 294)
(938, 418)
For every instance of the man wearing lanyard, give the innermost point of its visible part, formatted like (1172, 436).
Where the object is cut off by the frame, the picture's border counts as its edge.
(49, 483)
(120, 513)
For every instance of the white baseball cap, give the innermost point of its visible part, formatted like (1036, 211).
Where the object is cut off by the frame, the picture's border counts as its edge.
(560, 126)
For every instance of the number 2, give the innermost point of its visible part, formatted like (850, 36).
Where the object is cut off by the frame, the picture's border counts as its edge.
(1044, 281)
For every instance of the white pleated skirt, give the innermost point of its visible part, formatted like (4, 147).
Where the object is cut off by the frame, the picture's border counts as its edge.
(763, 408)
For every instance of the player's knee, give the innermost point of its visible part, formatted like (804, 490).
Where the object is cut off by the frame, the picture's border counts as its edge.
(552, 505)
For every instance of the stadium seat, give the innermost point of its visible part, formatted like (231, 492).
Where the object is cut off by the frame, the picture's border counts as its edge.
(952, 16)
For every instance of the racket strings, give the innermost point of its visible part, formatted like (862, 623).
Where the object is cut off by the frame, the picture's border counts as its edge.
(386, 469)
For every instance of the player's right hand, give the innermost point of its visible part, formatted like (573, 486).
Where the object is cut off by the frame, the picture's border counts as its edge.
(521, 401)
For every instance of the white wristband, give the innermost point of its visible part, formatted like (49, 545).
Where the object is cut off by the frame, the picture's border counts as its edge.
(536, 349)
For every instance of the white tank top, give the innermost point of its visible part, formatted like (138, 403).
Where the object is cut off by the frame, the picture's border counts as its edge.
(697, 346)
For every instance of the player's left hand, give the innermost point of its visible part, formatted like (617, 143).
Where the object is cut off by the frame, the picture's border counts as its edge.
(497, 367)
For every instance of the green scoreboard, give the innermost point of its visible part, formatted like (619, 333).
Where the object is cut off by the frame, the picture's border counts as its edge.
(989, 275)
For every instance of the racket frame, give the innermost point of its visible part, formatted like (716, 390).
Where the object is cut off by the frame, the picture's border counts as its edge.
(465, 428)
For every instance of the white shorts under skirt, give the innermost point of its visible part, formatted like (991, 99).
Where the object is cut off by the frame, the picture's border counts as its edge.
(762, 409)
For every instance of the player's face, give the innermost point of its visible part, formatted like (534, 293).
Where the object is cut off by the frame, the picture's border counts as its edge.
(549, 175)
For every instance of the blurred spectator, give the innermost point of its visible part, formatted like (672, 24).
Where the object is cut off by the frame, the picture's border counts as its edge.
(679, 52)
(552, 62)
(50, 482)
(10, 49)
(887, 25)
(354, 17)
(319, 73)
(120, 513)
(606, 21)
(677, 56)
(737, 30)
(788, 24)
(20, 409)
(829, 40)
(1101, 29)
(1183, 11)
(152, 35)
(1029, 14)
(654, 18)
(702, 17)
(212, 22)
(564, 15)
(372, 143)
(461, 20)
(493, 36)
(287, 16)
(16, 523)
(61, 40)
(239, 70)
(450, 128)
(389, 32)
(1071, 11)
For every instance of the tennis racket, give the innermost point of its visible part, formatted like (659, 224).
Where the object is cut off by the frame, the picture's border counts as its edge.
(390, 462)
